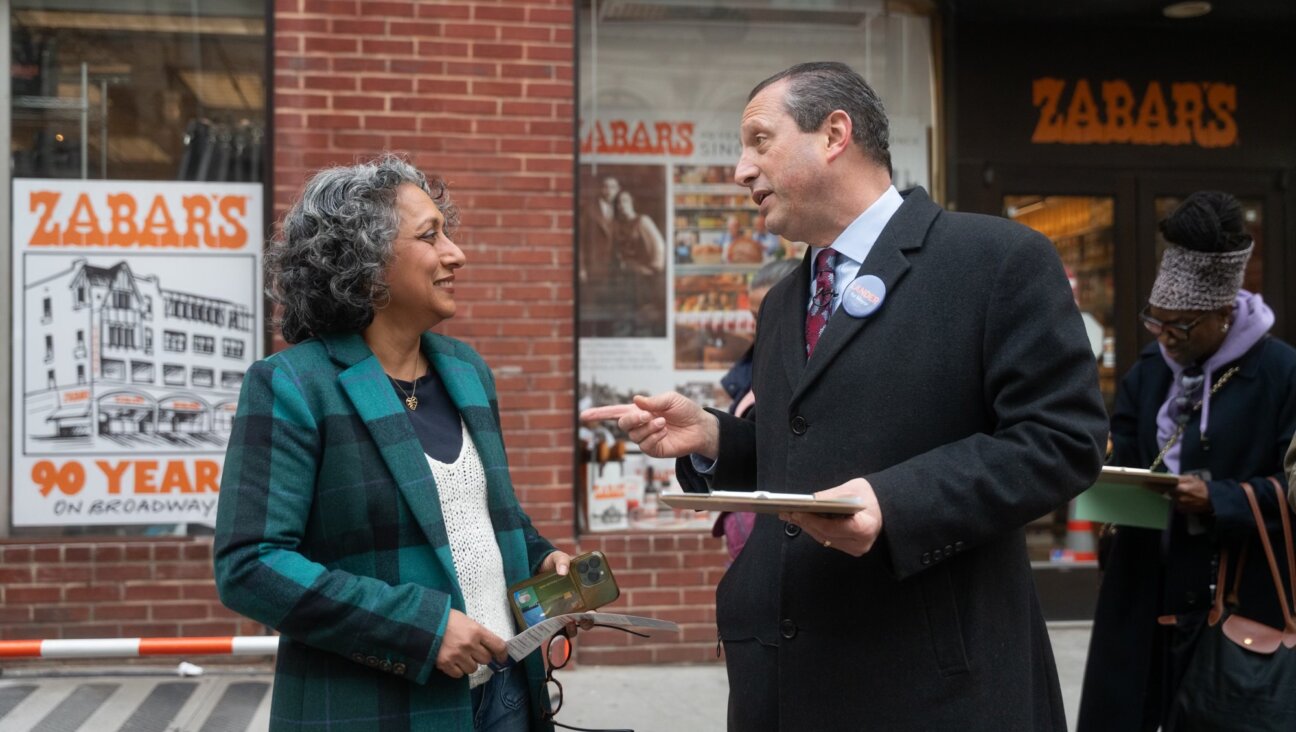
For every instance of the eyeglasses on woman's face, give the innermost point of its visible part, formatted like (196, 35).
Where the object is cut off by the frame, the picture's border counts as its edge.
(1180, 331)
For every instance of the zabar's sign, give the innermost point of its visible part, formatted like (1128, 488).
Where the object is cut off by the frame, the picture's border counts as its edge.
(130, 219)
(136, 314)
(1116, 112)
(638, 137)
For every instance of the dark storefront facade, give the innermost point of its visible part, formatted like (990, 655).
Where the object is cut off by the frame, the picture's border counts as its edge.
(1090, 124)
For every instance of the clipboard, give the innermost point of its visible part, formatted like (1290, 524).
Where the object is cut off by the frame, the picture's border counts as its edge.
(1128, 497)
(760, 502)
(1159, 482)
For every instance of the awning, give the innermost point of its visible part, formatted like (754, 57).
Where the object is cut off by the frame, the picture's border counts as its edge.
(71, 411)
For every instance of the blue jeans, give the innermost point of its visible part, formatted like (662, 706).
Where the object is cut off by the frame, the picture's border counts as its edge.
(500, 704)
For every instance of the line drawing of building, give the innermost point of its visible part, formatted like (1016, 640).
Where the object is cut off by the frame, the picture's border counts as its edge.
(112, 359)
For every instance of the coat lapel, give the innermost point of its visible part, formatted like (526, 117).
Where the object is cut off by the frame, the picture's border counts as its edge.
(791, 322)
(905, 231)
(370, 392)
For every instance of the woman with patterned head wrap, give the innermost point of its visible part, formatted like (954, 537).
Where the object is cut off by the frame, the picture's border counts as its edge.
(1212, 400)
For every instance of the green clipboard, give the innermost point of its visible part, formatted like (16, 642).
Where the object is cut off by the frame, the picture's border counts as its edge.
(1127, 497)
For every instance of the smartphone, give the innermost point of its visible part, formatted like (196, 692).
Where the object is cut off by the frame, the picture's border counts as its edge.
(588, 584)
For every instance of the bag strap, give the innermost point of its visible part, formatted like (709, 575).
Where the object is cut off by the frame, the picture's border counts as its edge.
(1269, 553)
(1287, 535)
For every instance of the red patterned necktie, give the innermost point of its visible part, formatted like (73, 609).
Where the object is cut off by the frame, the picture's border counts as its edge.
(821, 304)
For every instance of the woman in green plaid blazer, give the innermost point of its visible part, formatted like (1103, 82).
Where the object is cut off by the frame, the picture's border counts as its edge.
(332, 527)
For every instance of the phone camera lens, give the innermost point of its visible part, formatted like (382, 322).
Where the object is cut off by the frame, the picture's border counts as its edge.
(595, 562)
(582, 566)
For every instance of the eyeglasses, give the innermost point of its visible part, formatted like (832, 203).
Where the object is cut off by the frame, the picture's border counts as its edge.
(1181, 331)
(558, 652)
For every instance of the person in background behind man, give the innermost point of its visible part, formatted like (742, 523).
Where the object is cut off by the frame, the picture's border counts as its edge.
(931, 365)
(1212, 400)
(736, 526)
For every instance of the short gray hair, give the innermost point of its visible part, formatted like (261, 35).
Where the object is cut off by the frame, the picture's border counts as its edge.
(817, 89)
(327, 268)
(771, 272)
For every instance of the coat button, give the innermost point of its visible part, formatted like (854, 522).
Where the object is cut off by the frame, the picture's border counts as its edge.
(788, 629)
(357, 657)
(385, 665)
(791, 530)
(926, 558)
(958, 546)
(937, 555)
(372, 662)
(398, 669)
(799, 425)
(949, 550)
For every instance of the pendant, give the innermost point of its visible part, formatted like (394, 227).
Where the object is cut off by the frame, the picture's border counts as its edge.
(411, 401)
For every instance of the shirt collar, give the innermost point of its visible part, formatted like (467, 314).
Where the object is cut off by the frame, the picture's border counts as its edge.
(857, 240)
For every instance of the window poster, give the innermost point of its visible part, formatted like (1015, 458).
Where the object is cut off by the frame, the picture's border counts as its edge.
(668, 247)
(137, 309)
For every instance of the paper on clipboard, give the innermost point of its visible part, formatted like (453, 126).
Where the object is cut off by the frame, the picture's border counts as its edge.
(760, 502)
(1127, 497)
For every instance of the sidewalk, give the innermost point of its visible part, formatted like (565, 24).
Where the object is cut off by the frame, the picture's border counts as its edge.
(642, 698)
(689, 698)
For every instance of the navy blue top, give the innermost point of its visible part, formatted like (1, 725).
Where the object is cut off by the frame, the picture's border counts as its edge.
(436, 421)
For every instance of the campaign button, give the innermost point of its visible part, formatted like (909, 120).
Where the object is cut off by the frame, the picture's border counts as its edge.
(863, 296)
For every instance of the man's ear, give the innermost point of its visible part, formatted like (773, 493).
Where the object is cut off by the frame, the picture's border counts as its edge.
(837, 131)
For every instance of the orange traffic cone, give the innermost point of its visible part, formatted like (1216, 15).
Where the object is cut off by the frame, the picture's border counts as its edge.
(1080, 538)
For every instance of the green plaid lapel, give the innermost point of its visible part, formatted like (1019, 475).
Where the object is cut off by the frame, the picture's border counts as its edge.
(383, 414)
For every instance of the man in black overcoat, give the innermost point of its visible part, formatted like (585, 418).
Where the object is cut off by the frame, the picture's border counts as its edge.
(951, 390)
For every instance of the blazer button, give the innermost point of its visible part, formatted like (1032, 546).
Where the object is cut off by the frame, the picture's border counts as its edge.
(357, 657)
(792, 530)
(372, 662)
(788, 629)
(958, 546)
(926, 558)
(799, 425)
(385, 665)
(949, 550)
(936, 555)
(398, 669)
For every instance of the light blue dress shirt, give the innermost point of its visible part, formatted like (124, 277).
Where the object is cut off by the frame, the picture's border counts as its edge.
(854, 244)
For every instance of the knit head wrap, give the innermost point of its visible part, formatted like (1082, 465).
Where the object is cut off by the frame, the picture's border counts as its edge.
(1203, 265)
(1194, 280)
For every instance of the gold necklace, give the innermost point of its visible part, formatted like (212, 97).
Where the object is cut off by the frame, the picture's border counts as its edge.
(1179, 432)
(411, 401)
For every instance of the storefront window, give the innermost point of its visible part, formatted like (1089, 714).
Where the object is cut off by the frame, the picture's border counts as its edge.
(668, 242)
(138, 133)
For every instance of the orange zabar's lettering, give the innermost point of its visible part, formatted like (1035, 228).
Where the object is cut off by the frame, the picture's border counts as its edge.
(215, 222)
(83, 225)
(48, 233)
(621, 137)
(233, 209)
(1202, 113)
(124, 231)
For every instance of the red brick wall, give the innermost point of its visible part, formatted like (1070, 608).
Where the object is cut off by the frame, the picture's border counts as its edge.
(482, 94)
(61, 588)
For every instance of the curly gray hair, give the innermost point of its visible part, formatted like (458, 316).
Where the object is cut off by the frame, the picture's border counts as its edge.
(327, 269)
